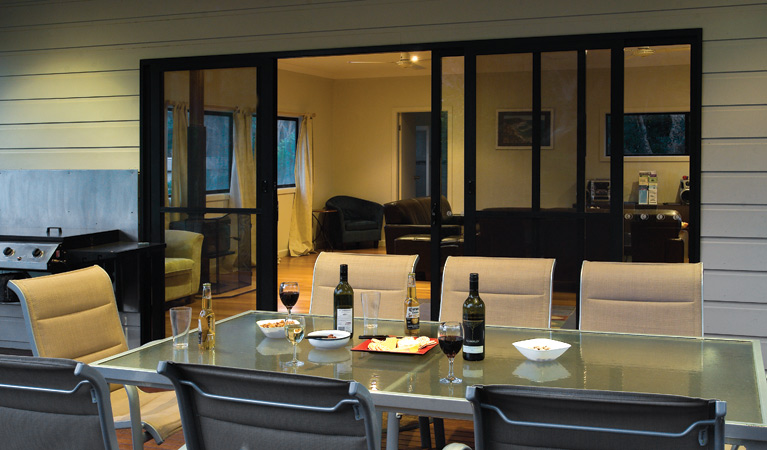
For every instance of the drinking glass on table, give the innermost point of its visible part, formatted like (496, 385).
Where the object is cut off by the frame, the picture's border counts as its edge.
(294, 331)
(180, 319)
(289, 294)
(450, 338)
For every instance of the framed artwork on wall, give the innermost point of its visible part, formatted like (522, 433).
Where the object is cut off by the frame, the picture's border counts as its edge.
(651, 134)
(514, 129)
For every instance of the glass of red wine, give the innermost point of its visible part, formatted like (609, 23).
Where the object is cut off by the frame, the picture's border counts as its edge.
(450, 337)
(289, 294)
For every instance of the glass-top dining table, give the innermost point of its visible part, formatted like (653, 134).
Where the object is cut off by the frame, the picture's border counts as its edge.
(724, 369)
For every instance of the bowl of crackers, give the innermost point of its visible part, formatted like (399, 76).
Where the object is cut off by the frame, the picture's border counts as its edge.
(273, 328)
(541, 349)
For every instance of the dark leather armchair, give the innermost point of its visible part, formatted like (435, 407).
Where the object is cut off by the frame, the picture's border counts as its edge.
(408, 231)
(357, 221)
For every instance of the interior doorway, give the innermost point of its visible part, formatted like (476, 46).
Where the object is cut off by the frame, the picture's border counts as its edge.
(414, 130)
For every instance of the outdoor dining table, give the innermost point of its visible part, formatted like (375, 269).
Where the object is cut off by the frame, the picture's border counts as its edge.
(724, 369)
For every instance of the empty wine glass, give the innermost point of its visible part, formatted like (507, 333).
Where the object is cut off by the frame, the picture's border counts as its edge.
(450, 337)
(294, 331)
(289, 294)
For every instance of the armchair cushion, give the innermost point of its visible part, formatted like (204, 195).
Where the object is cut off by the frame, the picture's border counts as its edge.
(183, 258)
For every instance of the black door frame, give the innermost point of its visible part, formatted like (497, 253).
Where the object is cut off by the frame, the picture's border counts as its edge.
(152, 166)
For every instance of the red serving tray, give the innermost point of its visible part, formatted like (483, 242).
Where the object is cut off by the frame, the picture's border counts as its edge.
(363, 347)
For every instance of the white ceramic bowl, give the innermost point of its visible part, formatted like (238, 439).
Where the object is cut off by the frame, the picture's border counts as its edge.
(274, 332)
(341, 339)
(528, 348)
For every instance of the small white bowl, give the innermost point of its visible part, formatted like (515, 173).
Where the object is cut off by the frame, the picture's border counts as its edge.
(341, 339)
(555, 349)
(273, 332)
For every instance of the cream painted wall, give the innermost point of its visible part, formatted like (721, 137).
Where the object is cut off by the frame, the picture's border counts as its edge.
(364, 152)
(304, 94)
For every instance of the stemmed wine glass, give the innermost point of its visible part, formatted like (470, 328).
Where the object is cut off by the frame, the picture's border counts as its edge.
(289, 294)
(294, 331)
(450, 337)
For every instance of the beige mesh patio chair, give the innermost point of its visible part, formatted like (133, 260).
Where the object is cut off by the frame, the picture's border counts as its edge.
(54, 403)
(384, 273)
(516, 291)
(74, 315)
(648, 298)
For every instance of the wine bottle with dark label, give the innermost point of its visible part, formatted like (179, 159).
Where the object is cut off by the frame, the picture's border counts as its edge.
(343, 303)
(473, 323)
(412, 309)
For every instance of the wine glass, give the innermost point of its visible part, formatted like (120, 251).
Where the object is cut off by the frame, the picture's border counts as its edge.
(450, 337)
(294, 331)
(289, 294)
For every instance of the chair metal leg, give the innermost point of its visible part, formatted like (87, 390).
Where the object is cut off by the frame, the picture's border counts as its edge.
(392, 432)
(137, 430)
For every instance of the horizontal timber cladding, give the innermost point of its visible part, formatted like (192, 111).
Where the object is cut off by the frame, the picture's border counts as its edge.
(69, 83)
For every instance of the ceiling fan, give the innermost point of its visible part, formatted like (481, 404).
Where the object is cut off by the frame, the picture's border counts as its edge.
(406, 61)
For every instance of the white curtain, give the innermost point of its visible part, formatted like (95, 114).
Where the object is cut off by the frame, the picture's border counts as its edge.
(179, 162)
(300, 237)
(243, 189)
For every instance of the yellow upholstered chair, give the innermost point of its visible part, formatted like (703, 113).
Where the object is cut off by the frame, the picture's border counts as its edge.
(516, 291)
(74, 315)
(649, 298)
(183, 255)
(384, 273)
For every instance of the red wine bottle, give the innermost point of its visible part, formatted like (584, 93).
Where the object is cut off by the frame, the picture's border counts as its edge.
(473, 323)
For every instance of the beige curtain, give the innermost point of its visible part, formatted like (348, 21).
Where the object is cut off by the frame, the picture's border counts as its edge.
(243, 189)
(179, 162)
(300, 237)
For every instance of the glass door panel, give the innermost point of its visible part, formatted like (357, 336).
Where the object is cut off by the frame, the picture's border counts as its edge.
(597, 227)
(559, 110)
(504, 131)
(211, 178)
(656, 153)
(452, 120)
(504, 154)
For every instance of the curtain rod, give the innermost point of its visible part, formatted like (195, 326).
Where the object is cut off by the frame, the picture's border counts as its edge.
(289, 113)
(230, 108)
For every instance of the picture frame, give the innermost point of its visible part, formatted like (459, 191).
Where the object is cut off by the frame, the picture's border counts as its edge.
(514, 129)
(659, 136)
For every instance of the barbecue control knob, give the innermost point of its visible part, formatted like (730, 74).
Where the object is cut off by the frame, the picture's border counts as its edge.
(36, 253)
(8, 251)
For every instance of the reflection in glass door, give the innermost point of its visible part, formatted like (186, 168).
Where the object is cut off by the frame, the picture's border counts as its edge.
(656, 153)
(211, 179)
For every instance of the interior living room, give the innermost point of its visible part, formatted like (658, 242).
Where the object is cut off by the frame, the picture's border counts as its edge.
(370, 125)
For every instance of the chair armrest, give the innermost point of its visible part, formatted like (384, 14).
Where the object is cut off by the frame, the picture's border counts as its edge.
(186, 244)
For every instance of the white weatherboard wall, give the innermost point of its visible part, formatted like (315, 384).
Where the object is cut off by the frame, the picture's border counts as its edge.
(69, 89)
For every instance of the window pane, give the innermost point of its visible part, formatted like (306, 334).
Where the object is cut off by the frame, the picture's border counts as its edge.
(218, 130)
(287, 131)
